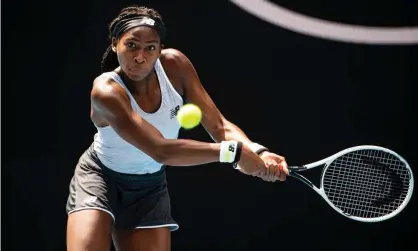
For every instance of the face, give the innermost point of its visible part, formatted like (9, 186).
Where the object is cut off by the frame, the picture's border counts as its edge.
(138, 49)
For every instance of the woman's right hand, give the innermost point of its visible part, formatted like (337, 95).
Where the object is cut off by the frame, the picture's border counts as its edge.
(250, 163)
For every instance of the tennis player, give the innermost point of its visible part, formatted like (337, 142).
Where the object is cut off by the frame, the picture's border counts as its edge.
(119, 188)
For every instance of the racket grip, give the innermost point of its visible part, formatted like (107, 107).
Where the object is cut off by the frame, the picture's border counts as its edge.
(296, 168)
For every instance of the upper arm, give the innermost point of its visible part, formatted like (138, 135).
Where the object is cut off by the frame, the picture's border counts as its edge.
(194, 92)
(110, 102)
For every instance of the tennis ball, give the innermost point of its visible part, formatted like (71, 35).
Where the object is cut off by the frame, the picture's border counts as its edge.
(189, 116)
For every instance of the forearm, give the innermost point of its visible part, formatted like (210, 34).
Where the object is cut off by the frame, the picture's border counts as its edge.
(230, 131)
(189, 152)
(181, 152)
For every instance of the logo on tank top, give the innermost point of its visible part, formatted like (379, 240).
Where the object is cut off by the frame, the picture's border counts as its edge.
(173, 111)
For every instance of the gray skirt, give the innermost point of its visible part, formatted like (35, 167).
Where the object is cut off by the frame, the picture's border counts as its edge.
(133, 201)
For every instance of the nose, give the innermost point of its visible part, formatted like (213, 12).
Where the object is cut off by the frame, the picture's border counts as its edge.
(139, 57)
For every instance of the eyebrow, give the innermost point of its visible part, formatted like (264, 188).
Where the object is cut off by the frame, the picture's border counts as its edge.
(147, 42)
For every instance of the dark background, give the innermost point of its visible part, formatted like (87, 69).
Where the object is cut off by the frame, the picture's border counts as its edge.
(305, 98)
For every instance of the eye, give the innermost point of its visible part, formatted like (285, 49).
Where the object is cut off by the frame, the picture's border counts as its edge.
(131, 45)
(152, 48)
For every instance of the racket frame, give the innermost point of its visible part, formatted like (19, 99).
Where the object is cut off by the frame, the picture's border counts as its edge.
(294, 172)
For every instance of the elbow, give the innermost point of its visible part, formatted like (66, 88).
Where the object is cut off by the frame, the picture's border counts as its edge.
(169, 152)
(162, 154)
(161, 157)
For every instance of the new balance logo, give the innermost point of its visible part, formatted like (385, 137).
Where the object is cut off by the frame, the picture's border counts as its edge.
(147, 21)
(173, 112)
(89, 200)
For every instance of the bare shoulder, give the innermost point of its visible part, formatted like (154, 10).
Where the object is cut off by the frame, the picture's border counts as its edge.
(177, 67)
(109, 101)
(105, 88)
(174, 59)
(172, 55)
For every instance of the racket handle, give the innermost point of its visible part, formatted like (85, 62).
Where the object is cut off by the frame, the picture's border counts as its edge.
(296, 168)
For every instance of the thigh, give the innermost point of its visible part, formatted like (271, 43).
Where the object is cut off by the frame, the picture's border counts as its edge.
(147, 239)
(89, 230)
(89, 207)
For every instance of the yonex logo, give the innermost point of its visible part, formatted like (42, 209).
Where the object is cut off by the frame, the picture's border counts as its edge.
(173, 112)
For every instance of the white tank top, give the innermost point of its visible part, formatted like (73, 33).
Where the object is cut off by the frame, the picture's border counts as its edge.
(119, 155)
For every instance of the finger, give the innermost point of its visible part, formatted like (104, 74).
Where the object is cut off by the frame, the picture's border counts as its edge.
(274, 169)
(276, 176)
(273, 178)
(256, 173)
(269, 164)
(284, 167)
(268, 168)
(282, 175)
(264, 177)
(261, 172)
(264, 174)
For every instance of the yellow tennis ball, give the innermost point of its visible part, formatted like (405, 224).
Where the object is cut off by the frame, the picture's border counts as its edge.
(189, 116)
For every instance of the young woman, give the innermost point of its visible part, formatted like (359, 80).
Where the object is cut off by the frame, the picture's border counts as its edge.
(119, 186)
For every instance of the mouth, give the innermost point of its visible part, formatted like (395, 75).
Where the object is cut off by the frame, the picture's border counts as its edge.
(137, 71)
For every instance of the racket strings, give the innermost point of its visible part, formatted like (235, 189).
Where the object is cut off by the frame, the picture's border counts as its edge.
(367, 183)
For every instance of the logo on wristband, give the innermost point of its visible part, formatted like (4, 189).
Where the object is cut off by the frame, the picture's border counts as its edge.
(228, 151)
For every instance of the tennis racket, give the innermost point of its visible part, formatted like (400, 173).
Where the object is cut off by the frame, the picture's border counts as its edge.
(364, 183)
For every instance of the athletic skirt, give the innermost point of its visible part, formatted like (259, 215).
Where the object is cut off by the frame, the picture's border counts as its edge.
(133, 201)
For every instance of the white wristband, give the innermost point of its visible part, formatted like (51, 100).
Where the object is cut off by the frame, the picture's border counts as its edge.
(228, 151)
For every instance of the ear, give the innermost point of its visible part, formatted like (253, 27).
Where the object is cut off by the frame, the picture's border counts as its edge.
(114, 43)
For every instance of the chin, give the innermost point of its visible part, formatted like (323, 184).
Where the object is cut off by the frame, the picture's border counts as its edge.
(136, 78)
